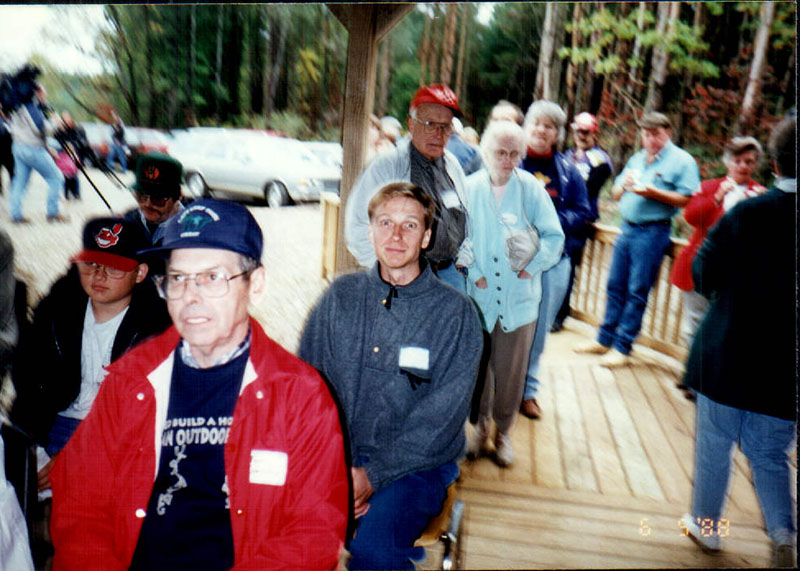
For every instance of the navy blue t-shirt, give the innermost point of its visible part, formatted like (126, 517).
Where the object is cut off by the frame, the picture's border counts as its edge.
(544, 169)
(188, 516)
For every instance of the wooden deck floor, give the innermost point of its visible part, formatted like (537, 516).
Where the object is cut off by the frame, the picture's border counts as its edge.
(601, 480)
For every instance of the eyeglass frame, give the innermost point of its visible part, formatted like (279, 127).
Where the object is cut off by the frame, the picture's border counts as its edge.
(433, 127)
(158, 201)
(161, 279)
(502, 154)
(111, 273)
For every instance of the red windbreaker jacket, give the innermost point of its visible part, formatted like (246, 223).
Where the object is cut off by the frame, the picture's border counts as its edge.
(103, 478)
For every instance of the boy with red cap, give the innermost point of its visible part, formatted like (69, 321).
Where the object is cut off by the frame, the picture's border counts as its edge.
(424, 161)
(96, 312)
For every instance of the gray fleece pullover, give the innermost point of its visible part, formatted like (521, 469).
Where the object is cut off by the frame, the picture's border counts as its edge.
(403, 371)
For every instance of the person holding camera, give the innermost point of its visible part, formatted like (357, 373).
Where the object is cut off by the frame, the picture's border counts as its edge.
(29, 127)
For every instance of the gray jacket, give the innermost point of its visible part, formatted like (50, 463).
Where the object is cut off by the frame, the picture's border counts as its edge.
(394, 165)
(403, 376)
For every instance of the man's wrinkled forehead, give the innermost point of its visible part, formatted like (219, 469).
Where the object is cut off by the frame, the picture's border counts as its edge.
(434, 110)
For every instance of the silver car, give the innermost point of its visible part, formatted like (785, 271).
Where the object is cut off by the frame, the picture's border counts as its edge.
(252, 164)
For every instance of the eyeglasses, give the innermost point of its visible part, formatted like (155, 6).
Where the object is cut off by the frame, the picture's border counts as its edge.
(583, 132)
(209, 284)
(90, 268)
(158, 202)
(502, 154)
(431, 127)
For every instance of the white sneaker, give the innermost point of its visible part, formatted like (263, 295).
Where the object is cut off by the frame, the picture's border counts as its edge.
(614, 359)
(591, 348)
(706, 538)
(477, 442)
(503, 451)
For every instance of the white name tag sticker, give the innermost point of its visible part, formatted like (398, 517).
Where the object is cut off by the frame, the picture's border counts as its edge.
(450, 199)
(414, 358)
(268, 467)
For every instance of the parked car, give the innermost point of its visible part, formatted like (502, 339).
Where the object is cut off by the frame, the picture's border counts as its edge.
(328, 153)
(252, 164)
(143, 140)
(138, 141)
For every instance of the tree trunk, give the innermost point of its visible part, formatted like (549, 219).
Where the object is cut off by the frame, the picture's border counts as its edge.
(545, 72)
(635, 70)
(218, 66)
(449, 44)
(126, 67)
(435, 44)
(152, 99)
(668, 13)
(192, 59)
(688, 78)
(424, 49)
(383, 79)
(753, 91)
(462, 50)
(572, 67)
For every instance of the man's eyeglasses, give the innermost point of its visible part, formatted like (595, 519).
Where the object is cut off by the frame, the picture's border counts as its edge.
(583, 132)
(502, 154)
(157, 201)
(431, 127)
(209, 284)
(90, 268)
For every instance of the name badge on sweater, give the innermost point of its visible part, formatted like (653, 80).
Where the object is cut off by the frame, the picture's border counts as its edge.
(268, 467)
(414, 358)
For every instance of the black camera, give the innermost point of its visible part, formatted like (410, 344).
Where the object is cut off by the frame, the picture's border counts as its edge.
(19, 88)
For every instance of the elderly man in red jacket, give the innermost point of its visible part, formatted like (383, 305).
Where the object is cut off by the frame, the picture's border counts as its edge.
(209, 447)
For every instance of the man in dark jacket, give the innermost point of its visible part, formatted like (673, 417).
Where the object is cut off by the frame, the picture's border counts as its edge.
(742, 362)
(101, 308)
(401, 350)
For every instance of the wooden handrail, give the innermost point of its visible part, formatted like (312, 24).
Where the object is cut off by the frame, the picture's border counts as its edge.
(661, 325)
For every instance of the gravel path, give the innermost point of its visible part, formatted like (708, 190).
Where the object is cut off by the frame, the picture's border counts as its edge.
(292, 257)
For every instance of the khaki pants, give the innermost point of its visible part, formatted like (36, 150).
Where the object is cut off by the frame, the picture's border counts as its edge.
(505, 375)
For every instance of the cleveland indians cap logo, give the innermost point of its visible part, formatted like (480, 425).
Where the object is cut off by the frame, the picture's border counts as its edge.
(108, 237)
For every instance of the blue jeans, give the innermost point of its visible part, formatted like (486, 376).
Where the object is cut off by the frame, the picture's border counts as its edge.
(397, 516)
(450, 275)
(63, 429)
(27, 158)
(765, 441)
(554, 287)
(116, 152)
(634, 269)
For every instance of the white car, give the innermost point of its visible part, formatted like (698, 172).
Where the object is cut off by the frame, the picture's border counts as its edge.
(252, 164)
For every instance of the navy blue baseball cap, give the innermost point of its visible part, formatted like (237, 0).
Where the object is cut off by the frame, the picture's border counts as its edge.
(217, 224)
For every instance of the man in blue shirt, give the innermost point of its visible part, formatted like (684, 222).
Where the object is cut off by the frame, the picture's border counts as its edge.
(657, 181)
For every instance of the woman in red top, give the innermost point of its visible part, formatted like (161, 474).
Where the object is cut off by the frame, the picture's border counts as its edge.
(716, 197)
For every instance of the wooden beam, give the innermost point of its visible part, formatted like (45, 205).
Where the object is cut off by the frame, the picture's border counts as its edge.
(366, 24)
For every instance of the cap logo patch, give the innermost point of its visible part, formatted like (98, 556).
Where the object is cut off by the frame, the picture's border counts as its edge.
(445, 95)
(151, 173)
(194, 218)
(108, 237)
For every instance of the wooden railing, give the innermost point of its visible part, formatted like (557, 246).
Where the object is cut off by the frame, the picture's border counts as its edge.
(662, 319)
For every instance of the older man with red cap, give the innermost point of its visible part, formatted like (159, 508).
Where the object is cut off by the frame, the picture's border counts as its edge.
(596, 168)
(424, 161)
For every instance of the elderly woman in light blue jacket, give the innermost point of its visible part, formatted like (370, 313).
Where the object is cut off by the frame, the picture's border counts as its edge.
(516, 236)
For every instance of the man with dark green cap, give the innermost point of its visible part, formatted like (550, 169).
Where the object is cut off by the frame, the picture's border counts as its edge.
(158, 192)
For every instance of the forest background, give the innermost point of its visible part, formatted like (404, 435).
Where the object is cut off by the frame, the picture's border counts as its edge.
(718, 69)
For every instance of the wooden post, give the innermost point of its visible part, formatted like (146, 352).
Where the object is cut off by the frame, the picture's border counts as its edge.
(366, 24)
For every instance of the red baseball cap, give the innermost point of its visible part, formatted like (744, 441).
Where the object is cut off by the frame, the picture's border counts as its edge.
(112, 242)
(439, 94)
(585, 122)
